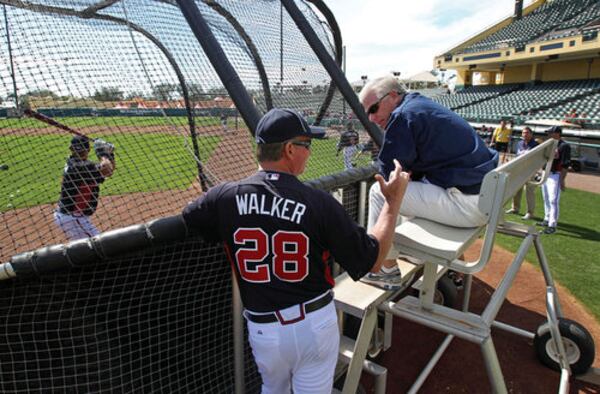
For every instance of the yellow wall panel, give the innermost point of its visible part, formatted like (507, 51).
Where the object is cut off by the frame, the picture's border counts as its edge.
(517, 74)
(575, 69)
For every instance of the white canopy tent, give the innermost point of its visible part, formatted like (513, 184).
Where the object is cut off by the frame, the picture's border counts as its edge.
(424, 79)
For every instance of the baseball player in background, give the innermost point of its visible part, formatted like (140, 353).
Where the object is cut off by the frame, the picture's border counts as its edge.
(525, 145)
(446, 158)
(280, 236)
(555, 181)
(350, 148)
(80, 187)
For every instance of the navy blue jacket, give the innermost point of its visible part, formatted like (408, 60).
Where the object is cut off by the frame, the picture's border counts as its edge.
(430, 140)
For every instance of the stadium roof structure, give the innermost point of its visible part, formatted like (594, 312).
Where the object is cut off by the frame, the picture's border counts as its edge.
(545, 32)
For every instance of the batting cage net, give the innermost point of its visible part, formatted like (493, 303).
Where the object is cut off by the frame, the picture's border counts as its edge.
(129, 82)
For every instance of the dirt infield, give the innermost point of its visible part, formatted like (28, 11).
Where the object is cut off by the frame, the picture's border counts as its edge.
(461, 368)
(26, 229)
(586, 181)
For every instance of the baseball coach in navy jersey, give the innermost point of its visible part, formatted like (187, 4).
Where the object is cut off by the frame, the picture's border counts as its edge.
(280, 236)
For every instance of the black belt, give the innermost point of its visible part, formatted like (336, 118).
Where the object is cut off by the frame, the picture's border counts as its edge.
(65, 212)
(304, 309)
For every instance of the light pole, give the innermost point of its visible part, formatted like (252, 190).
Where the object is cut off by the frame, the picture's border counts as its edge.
(12, 65)
(396, 74)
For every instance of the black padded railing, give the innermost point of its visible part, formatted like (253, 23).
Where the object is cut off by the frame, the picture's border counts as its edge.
(145, 308)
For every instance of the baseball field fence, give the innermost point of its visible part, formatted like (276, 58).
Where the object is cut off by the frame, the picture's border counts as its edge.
(177, 87)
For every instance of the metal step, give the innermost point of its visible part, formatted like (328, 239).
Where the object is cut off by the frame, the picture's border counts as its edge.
(468, 326)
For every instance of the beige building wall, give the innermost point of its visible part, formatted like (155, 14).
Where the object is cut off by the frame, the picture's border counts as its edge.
(517, 74)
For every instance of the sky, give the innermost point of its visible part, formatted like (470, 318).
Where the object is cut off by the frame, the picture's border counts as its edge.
(382, 36)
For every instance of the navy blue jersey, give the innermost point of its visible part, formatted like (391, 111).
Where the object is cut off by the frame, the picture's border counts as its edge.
(80, 187)
(279, 235)
(562, 156)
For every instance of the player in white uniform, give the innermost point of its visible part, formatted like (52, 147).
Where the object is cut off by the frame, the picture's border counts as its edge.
(555, 181)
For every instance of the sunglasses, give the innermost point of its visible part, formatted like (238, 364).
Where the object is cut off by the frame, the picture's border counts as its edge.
(375, 106)
(305, 144)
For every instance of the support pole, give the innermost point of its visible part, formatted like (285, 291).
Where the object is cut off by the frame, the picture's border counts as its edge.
(220, 62)
(332, 68)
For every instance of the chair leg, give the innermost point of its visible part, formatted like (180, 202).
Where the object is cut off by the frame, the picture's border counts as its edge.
(360, 351)
(468, 281)
(492, 366)
(546, 271)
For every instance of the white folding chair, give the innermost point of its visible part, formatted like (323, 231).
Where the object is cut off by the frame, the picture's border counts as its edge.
(439, 245)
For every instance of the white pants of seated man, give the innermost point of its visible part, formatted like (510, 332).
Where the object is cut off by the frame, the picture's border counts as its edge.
(428, 201)
(298, 357)
(75, 227)
(551, 194)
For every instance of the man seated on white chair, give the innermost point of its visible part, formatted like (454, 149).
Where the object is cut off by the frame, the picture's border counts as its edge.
(445, 156)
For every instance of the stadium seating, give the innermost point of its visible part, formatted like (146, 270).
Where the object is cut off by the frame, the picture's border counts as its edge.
(587, 108)
(549, 21)
(574, 25)
(473, 94)
(546, 100)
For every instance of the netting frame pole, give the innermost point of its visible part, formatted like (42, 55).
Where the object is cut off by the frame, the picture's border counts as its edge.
(220, 63)
(10, 56)
(260, 67)
(332, 68)
(338, 50)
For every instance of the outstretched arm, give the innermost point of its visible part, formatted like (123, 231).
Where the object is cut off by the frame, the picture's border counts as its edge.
(393, 191)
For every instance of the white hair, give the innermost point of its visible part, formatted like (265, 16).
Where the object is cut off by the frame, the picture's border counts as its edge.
(381, 86)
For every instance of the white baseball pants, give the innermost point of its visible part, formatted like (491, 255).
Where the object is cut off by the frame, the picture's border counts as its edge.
(75, 227)
(298, 357)
(551, 194)
(428, 201)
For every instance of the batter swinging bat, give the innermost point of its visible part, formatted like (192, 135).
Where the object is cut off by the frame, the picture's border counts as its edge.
(101, 147)
(50, 121)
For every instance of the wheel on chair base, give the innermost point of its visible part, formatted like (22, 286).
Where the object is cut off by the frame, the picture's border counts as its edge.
(446, 293)
(579, 346)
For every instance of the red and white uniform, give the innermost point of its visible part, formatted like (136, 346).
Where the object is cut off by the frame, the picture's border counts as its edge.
(280, 236)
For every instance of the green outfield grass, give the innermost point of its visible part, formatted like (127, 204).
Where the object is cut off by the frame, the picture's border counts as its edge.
(145, 163)
(153, 162)
(323, 160)
(113, 121)
(573, 251)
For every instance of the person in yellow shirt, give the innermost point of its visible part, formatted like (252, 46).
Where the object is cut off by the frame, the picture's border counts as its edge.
(501, 138)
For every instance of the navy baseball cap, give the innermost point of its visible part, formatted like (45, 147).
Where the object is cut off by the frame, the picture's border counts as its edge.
(282, 124)
(80, 143)
(554, 129)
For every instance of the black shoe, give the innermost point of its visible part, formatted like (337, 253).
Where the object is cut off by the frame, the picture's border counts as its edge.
(542, 223)
(550, 230)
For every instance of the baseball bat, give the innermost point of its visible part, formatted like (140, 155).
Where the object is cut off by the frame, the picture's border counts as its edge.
(50, 121)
